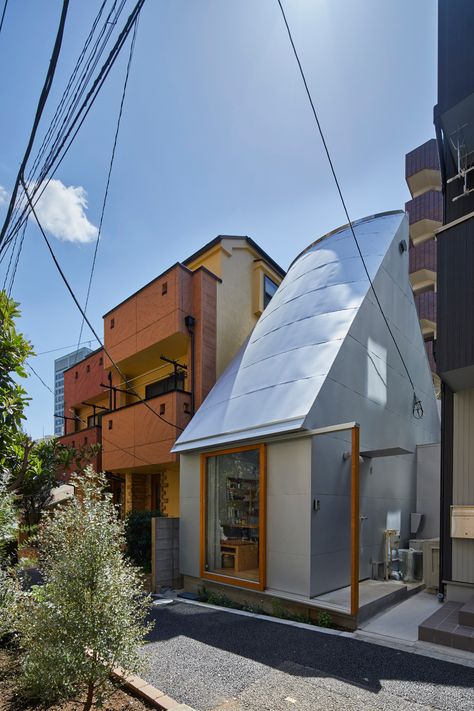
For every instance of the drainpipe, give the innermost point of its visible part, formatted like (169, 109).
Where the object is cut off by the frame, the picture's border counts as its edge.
(190, 322)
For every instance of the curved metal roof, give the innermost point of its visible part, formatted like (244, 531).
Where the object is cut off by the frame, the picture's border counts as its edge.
(272, 383)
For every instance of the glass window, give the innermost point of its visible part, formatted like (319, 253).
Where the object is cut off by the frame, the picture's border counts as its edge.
(233, 516)
(269, 289)
(175, 381)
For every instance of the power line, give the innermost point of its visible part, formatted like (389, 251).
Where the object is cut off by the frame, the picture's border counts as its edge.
(74, 297)
(68, 137)
(63, 348)
(416, 403)
(5, 4)
(81, 419)
(112, 157)
(39, 378)
(39, 111)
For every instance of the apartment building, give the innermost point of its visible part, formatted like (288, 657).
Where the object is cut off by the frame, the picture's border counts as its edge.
(165, 345)
(425, 212)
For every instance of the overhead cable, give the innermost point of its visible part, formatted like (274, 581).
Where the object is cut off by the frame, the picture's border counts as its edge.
(39, 112)
(86, 319)
(5, 5)
(417, 408)
(55, 161)
(106, 193)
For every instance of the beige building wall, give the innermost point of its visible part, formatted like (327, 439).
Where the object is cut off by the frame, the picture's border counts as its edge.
(463, 480)
(241, 269)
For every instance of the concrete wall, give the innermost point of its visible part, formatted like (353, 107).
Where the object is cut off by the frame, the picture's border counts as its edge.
(428, 489)
(189, 521)
(289, 516)
(165, 552)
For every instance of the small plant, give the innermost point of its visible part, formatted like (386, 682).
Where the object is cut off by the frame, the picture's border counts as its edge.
(304, 617)
(222, 600)
(278, 609)
(203, 594)
(324, 619)
(255, 607)
(90, 615)
(9, 595)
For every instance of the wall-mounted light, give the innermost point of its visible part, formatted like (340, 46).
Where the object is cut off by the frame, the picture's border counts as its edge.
(402, 246)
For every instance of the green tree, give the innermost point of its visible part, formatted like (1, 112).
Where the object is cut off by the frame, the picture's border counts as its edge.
(91, 614)
(14, 350)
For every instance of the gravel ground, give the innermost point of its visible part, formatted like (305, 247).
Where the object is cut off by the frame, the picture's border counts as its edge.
(215, 660)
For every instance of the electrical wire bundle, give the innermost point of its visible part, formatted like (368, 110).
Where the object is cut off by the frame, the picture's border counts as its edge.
(81, 91)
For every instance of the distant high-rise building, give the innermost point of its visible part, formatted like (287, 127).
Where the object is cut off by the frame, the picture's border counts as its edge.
(60, 365)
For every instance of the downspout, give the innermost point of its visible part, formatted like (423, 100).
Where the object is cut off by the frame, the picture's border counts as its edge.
(190, 322)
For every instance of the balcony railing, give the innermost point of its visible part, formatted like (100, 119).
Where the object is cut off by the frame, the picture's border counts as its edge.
(142, 434)
(81, 440)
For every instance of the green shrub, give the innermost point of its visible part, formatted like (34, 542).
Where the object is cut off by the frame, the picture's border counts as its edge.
(222, 600)
(90, 615)
(255, 607)
(10, 594)
(324, 619)
(278, 609)
(138, 537)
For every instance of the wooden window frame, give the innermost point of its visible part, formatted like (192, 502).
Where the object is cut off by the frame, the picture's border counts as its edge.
(262, 552)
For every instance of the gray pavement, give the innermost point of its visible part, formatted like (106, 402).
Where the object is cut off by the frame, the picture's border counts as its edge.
(217, 661)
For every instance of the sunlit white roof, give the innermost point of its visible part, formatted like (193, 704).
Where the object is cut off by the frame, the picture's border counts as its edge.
(273, 382)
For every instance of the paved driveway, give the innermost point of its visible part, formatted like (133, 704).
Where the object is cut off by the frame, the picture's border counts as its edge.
(215, 660)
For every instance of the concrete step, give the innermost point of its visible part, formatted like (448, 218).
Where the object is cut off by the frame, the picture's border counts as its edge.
(466, 614)
(443, 627)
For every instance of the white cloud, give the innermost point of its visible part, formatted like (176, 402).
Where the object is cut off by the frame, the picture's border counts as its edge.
(61, 211)
(3, 196)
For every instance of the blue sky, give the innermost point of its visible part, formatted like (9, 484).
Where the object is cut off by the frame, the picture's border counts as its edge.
(217, 137)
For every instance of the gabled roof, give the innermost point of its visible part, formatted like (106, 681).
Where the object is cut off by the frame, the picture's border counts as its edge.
(273, 382)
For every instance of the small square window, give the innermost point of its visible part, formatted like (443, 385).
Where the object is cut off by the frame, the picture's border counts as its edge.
(101, 361)
(164, 288)
(88, 368)
(76, 375)
(186, 408)
(162, 408)
(112, 323)
(109, 425)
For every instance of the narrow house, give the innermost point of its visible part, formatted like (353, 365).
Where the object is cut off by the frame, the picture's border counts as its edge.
(303, 455)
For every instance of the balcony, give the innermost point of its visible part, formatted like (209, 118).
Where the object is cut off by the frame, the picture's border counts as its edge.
(81, 439)
(150, 316)
(82, 381)
(423, 280)
(423, 256)
(422, 168)
(134, 438)
(425, 215)
(426, 306)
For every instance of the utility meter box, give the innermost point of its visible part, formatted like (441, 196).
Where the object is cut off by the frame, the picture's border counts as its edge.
(462, 521)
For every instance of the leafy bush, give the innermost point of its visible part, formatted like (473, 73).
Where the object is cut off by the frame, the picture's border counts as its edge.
(9, 595)
(90, 614)
(324, 619)
(138, 537)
